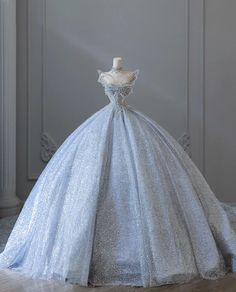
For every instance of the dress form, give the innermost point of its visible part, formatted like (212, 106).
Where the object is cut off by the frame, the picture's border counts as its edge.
(117, 75)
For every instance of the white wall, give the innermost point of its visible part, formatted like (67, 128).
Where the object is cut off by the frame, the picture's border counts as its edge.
(167, 40)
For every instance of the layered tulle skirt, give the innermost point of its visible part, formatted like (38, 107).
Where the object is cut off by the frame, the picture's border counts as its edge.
(121, 203)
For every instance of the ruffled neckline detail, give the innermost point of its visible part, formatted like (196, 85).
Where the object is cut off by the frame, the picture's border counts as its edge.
(122, 85)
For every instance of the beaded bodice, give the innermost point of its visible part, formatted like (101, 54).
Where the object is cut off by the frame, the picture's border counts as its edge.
(117, 93)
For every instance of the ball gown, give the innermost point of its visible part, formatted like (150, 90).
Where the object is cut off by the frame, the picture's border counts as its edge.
(121, 203)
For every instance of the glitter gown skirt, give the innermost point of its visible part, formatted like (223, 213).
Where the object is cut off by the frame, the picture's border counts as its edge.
(121, 203)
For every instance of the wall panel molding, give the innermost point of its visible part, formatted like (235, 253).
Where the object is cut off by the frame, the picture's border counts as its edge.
(48, 147)
(36, 87)
(196, 80)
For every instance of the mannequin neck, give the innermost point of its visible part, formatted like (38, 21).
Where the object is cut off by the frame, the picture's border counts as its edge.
(116, 70)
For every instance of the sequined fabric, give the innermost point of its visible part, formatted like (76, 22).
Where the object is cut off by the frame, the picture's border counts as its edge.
(121, 203)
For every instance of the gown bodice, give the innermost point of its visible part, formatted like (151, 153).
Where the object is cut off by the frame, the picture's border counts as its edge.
(117, 93)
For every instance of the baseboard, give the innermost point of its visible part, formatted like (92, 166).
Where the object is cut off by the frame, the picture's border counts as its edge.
(5, 212)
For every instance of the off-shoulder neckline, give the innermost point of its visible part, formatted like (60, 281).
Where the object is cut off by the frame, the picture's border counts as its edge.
(131, 83)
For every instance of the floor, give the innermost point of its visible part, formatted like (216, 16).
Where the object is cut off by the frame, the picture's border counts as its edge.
(14, 282)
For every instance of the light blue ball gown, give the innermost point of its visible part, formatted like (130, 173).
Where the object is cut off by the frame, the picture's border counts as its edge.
(121, 203)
